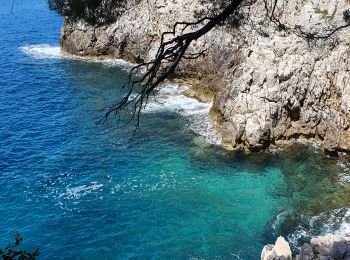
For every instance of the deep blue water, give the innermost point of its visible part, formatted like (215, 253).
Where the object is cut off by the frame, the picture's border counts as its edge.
(74, 188)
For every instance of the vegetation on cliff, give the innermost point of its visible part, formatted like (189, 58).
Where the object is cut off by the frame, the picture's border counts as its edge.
(175, 43)
(92, 11)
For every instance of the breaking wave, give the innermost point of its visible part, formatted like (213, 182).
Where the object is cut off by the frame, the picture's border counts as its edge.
(170, 98)
(42, 51)
(46, 51)
(344, 177)
(331, 222)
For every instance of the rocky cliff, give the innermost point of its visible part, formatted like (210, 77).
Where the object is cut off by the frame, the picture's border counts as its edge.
(328, 247)
(270, 86)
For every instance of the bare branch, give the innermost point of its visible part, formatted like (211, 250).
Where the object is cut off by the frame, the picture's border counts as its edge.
(169, 55)
(146, 77)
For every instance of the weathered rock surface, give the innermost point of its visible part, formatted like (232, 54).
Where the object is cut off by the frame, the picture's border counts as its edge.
(270, 86)
(279, 251)
(329, 247)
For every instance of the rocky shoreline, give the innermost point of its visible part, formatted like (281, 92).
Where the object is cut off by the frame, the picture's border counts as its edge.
(269, 89)
(328, 247)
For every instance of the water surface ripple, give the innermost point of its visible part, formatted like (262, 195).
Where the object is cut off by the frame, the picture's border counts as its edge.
(76, 190)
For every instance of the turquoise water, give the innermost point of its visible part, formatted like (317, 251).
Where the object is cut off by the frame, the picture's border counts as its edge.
(76, 190)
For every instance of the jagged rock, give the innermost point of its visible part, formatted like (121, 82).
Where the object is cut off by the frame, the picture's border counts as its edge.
(328, 247)
(282, 248)
(268, 253)
(332, 246)
(279, 251)
(271, 87)
(306, 253)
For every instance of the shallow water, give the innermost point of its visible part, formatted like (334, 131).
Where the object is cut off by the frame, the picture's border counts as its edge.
(76, 190)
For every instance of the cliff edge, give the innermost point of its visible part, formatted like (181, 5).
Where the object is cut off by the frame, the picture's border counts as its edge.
(270, 86)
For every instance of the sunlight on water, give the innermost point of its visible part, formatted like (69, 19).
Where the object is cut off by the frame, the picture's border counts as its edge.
(77, 190)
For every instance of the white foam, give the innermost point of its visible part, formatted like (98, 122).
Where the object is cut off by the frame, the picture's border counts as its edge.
(344, 178)
(279, 219)
(170, 98)
(342, 165)
(299, 233)
(344, 228)
(42, 51)
(46, 51)
(335, 222)
(275, 150)
(80, 191)
(332, 222)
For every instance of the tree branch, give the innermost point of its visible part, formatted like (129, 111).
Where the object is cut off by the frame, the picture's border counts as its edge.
(167, 59)
(146, 77)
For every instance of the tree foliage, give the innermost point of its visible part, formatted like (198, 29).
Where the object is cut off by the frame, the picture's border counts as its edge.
(212, 8)
(95, 12)
(346, 16)
(11, 252)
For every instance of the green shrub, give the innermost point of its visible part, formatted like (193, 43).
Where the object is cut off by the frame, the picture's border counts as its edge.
(96, 12)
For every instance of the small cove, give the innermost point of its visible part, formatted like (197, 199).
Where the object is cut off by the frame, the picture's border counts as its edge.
(76, 190)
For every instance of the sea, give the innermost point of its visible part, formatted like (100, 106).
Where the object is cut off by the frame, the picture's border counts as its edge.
(79, 188)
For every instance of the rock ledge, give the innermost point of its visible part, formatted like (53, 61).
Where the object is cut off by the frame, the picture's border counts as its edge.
(328, 247)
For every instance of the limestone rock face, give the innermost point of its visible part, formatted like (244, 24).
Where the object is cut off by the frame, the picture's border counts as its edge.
(271, 86)
(329, 247)
(279, 251)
